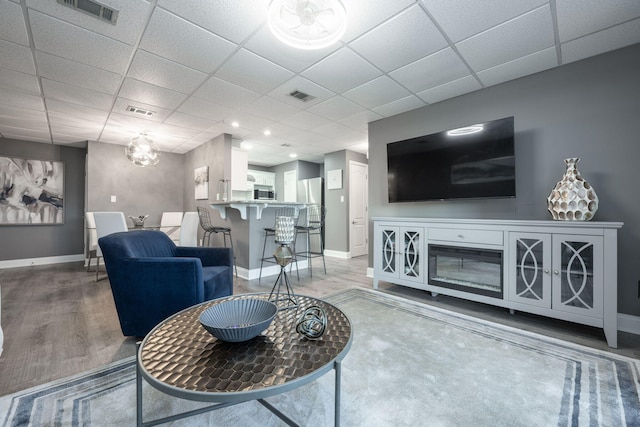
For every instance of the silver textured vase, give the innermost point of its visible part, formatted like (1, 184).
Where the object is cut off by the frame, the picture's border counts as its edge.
(573, 198)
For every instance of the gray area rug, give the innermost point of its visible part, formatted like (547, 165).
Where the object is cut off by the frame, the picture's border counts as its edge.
(410, 365)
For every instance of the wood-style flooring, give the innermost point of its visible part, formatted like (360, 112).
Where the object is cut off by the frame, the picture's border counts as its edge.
(59, 322)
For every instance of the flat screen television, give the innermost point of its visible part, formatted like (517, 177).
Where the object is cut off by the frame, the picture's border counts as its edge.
(476, 161)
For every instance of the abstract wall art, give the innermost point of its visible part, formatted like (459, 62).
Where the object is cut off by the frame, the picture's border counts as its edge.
(202, 182)
(31, 191)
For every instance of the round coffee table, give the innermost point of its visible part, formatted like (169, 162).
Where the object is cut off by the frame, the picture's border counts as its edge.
(180, 358)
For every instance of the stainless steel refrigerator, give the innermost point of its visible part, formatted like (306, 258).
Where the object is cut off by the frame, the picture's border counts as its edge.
(310, 191)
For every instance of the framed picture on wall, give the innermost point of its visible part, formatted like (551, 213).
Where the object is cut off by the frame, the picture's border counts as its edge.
(202, 182)
(31, 191)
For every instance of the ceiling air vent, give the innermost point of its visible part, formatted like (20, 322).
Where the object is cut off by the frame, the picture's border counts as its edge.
(141, 111)
(93, 8)
(302, 96)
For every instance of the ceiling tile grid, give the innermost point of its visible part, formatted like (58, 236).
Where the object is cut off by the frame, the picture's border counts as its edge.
(67, 77)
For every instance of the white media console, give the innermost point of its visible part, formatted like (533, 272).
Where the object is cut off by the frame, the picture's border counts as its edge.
(564, 270)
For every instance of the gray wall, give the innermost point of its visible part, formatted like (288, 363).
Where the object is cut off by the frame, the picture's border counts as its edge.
(35, 241)
(588, 109)
(305, 170)
(337, 219)
(138, 190)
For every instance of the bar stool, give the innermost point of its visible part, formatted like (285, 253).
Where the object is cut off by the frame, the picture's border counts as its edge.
(209, 229)
(271, 232)
(313, 225)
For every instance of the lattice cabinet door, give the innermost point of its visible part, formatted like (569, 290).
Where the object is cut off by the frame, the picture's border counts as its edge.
(412, 254)
(578, 281)
(530, 269)
(386, 252)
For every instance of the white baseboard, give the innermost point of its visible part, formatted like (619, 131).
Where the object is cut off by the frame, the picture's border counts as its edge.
(337, 254)
(27, 262)
(270, 270)
(629, 323)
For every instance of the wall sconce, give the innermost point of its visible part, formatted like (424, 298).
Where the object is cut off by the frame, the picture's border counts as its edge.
(307, 24)
(142, 152)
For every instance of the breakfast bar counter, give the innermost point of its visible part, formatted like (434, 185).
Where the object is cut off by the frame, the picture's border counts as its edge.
(247, 220)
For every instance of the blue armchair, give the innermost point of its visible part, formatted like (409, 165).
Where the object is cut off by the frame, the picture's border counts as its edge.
(152, 278)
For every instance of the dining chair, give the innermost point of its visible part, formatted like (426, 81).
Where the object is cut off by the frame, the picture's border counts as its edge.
(170, 224)
(107, 223)
(189, 229)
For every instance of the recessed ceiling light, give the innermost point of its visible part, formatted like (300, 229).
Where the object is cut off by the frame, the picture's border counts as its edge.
(246, 145)
(293, 155)
(267, 132)
(235, 124)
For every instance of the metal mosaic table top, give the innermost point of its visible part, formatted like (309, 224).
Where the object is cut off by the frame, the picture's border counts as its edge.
(181, 358)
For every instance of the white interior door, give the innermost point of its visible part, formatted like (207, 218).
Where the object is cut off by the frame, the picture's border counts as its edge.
(291, 186)
(358, 209)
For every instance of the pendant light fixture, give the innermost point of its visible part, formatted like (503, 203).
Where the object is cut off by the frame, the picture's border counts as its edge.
(307, 24)
(142, 152)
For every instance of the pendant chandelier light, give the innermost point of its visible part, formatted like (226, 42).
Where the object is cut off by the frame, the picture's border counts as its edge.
(307, 24)
(142, 152)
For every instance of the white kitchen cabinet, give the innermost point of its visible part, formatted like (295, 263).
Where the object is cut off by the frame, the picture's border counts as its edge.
(239, 169)
(565, 270)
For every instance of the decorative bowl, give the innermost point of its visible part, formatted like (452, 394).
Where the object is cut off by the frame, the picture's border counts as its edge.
(238, 320)
(138, 221)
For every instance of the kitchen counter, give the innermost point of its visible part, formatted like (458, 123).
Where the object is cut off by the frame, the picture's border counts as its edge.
(244, 205)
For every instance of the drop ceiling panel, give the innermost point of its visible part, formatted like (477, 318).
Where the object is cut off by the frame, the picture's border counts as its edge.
(76, 95)
(68, 41)
(13, 27)
(205, 109)
(251, 122)
(9, 113)
(147, 93)
(306, 121)
(461, 19)
(520, 67)
(192, 122)
(28, 134)
(360, 121)
(601, 42)
(578, 18)
(431, 71)
(130, 21)
(271, 109)
(77, 111)
(400, 106)
(20, 99)
(234, 20)
(162, 72)
(519, 37)
(253, 72)
(78, 134)
(377, 92)
(363, 15)
(329, 72)
(336, 108)
(16, 57)
(57, 119)
(176, 39)
(20, 82)
(225, 93)
(450, 90)
(266, 45)
(131, 123)
(67, 71)
(166, 130)
(29, 124)
(301, 84)
(393, 44)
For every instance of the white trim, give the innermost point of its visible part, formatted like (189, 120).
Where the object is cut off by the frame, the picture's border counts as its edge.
(27, 262)
(337, 254)
(369, 271)
(629, 323)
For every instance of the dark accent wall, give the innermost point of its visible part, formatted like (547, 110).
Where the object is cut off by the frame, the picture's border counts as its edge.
(587, 109)
(35, 241)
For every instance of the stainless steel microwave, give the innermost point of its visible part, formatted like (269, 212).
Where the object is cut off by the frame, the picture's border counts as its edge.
(263, 194)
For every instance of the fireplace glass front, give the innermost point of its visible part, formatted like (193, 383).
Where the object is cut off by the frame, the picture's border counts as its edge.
(479, 271)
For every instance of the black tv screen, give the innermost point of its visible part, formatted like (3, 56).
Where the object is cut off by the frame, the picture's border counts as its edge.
(474, 161)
